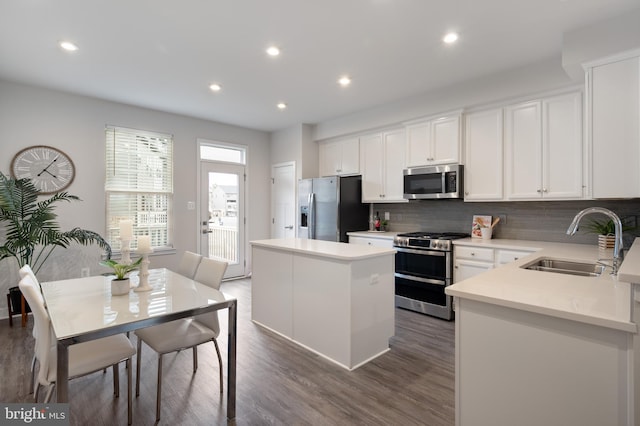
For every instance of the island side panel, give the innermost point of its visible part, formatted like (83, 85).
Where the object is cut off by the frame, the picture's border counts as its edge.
(272, 289)
(515, 367)
(372, 307)
(321, 306)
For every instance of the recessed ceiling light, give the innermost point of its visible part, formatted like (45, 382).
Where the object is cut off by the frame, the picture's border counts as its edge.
(68, 46)
(344, 81)
(215, 87)
(281, 105)
(273, 51)
(450, 38)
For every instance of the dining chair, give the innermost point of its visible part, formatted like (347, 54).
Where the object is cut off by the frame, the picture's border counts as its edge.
(24, 272)
(84, 358)
(189, 264)
(184, 333)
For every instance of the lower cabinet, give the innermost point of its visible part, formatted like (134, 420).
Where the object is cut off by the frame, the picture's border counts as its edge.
(371, 241)
(471, 260)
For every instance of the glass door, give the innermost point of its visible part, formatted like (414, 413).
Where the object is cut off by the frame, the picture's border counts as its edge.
(222, 213)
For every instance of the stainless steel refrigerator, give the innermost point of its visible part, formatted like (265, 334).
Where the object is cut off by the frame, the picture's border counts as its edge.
(330, 207)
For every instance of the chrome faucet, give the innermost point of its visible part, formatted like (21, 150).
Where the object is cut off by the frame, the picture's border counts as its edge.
(617, 224)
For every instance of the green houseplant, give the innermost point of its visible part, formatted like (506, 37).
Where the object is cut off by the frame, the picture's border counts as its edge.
(605, 229)
(120, 284)
(29, 231)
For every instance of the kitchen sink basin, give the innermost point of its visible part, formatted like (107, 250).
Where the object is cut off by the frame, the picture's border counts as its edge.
(559, 266)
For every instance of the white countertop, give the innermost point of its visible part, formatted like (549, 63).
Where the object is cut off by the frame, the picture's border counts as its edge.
(603, 301)
(329, 249)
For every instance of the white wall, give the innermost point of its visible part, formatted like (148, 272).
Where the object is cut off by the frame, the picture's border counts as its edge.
(600, 40)
(534, 78)
(296, 144)
(75, 124)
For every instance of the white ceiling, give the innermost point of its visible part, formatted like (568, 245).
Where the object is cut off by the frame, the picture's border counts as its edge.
(163, 54)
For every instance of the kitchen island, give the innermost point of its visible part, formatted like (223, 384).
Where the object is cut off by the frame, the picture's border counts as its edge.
(335, 299)
(537, 347)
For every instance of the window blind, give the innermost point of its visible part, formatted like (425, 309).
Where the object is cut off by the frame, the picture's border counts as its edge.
(139, 185)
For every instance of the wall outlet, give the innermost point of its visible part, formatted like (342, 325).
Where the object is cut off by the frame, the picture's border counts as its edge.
(84, 272)
(387, 216)
(503, 219)
(374, 279)
(191, 205)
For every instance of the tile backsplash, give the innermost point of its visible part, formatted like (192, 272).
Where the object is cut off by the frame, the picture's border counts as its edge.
(532, 220)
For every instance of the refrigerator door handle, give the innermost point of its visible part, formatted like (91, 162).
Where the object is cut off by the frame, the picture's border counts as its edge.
(312, 216)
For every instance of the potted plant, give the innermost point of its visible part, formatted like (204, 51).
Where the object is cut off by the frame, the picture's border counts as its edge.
(605, 229)
(120, 284)
(385, 225)
(31, 232)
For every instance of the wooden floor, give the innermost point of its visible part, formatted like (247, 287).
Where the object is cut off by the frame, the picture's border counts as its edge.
(278, 383)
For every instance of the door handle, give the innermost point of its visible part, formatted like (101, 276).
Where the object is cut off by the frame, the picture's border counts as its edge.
(288, 227)
(207, 231)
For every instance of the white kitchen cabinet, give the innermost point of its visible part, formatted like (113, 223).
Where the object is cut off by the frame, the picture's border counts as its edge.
(483, 167)
(434, 141)
(338, 158)
(472, 259)
(614, 126)
(383, 160)
(371, 241)
(544, 149)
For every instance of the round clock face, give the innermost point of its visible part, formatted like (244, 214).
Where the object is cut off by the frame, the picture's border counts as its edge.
(50, 169)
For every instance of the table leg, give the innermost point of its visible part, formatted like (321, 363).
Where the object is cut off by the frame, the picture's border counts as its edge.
(23, 306)
(62, 376)
(231, 362)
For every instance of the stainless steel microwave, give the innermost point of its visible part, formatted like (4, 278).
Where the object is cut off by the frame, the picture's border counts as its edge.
(433, 182)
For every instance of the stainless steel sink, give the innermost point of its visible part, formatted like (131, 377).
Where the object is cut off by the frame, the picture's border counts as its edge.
(559, 266)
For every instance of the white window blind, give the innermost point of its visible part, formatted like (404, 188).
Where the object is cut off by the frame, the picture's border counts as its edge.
(139, 185)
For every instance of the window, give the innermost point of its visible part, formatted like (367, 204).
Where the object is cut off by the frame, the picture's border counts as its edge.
(217, 151)
(139, 185)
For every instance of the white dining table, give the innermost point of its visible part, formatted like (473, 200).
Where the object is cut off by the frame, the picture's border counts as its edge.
(83, 309)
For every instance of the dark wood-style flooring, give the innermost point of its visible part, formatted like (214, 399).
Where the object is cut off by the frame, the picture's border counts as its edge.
(278, 383)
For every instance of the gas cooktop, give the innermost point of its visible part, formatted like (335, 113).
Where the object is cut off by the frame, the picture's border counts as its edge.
(428, 240)
(435, 235)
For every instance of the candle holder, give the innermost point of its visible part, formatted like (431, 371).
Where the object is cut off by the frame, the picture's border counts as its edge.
(144, 272)
(125, 251)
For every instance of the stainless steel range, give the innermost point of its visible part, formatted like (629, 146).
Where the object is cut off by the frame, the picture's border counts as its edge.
(424, 267)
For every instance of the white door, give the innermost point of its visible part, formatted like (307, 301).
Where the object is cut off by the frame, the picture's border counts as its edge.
(222, 213)
(283, 201)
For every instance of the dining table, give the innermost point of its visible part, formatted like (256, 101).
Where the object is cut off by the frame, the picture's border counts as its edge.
(83, 309)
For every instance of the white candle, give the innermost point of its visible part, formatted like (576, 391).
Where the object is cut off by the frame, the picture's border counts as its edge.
(126, 229)
(144, 243)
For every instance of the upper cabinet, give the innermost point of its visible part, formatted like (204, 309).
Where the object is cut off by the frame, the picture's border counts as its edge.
(613, 109)
(483, 156)
(339, 157)
(383, 160)
(435, 141)
(544, 149)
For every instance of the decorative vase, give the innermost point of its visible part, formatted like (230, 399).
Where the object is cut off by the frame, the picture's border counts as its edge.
(120, 287)
(606, 241)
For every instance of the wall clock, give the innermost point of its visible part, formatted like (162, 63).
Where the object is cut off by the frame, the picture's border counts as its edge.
(50, 169)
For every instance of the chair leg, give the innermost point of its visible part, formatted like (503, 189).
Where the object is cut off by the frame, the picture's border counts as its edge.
(215, 342)
(159, 391)
(138, 357)
(35, 392)
(10, 311)
(195, 358)
(116, 380)
(33, 373)
(47, 397)
(129, 402)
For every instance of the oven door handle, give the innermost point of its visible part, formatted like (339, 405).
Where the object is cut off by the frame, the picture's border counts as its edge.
(422, 252)
(422, 280)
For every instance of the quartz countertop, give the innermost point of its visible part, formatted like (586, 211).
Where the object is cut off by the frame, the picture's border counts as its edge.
(329, 249)
(603, 301)
(630, 269)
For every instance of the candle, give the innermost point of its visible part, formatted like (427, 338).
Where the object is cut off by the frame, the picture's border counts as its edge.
(144, 243)
(126, 229)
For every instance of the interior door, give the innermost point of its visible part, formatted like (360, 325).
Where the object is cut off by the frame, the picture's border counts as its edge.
(222, 213)
(283, 201)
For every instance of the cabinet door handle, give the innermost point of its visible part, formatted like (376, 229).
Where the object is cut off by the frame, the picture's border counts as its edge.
(473, 254)
(544, 190)
(538, 191)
